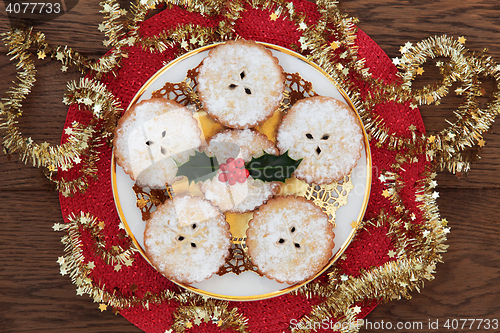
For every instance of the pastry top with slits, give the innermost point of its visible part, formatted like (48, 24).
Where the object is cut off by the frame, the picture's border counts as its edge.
(326, 133)
(151, 137)
(240, 83)
(290, 239)
(187, 239)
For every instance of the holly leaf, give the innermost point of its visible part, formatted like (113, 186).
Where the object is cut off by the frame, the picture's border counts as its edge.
(271, 168)
(198, 168)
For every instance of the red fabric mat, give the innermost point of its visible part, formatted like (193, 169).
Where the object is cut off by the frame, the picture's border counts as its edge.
(369, 248)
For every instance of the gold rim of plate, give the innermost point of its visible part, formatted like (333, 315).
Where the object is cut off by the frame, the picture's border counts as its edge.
(346, 242)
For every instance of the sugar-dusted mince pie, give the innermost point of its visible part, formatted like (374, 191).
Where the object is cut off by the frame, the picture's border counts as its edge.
(244, 196)
(240, 83)
(326, 133)
(150, 136)
(187, 239)
(289, 239)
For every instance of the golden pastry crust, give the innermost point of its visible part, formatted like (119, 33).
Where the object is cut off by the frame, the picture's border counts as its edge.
(187, 239)
(289, 239)
(148, 138)
(240, 83)
(326, 133)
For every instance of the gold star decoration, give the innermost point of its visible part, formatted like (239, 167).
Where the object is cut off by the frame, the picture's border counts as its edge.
(128, 262)
(412, 128)
(420, 71)
(462, 40)
(57, 226)
(273, 17)
(184, 44)
(391, 254)
(429, 99)
(334, 45)
(60, 260)
(344, 277)
(356, 309)
(431, 139)
(118, 267)
(303, 26)
(354, 224)
(79, 291)
(386, 194)
(41, 55)
(90, 265)
(101, 225)
(481, 142)
(103, 307)
(60, 56)
(101, 27)
(197, 321)
(64, 68)
(189, 324)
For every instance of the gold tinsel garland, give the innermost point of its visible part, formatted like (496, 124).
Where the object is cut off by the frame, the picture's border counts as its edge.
(417, 247)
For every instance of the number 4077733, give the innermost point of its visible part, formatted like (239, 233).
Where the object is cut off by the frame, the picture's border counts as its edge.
(485, 324)
(35, 8)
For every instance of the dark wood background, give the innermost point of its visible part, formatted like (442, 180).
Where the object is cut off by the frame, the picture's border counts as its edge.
(34, 297)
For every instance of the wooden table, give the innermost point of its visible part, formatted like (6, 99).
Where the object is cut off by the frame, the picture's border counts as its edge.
(34, 297)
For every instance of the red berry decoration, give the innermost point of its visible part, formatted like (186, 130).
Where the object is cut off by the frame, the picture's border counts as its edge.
(233, 171)
(223, 177)
(240, 163)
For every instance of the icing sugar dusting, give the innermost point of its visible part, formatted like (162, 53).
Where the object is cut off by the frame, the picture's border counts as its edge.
(290, 239)
(240, 84)
(187, 239)
(326, 133)
(148, 138)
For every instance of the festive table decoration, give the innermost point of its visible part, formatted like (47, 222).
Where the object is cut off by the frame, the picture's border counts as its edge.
(398, 243)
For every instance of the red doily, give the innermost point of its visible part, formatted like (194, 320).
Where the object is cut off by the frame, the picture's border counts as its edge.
(369, 248)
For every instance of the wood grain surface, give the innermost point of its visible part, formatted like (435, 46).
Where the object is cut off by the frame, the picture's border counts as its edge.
(34, 297)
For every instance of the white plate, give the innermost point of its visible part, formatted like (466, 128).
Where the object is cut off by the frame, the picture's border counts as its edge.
(249, 285)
